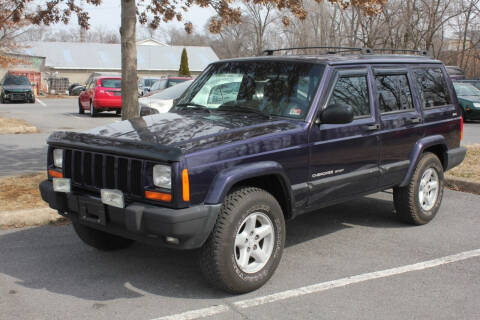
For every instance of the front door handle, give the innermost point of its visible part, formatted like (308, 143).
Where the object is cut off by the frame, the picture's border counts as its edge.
(373, 127)
(414, 120)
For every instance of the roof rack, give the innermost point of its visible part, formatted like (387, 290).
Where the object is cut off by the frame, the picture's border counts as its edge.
(334, 50)
(421, 52)
(331, 50)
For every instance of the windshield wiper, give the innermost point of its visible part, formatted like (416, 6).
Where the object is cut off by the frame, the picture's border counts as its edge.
(239, 108)
(195, 106)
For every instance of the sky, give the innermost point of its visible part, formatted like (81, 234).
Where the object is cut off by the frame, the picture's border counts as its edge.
(107, 15)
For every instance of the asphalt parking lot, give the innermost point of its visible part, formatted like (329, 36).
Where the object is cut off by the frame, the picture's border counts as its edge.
(349, 261)
(47, 273)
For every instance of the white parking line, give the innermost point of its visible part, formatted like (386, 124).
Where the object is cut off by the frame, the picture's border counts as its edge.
(318, 287)
(41, 102)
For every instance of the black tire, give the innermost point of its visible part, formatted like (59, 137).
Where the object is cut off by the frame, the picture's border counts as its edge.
(93, 113)
(101, 240)
(217, 256)
(406, 199)
(80, 108)
(32, 100)
(118, 112)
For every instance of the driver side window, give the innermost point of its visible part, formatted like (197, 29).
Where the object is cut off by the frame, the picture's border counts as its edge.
(352, 90)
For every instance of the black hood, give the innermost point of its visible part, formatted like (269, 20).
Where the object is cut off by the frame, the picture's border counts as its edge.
(194, 130)
(168, 136)
(17, 87)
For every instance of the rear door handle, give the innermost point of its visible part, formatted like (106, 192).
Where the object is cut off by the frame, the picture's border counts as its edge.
(414, 120)
(373, 127)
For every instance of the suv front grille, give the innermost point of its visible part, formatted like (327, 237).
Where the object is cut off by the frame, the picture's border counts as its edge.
(94, 171)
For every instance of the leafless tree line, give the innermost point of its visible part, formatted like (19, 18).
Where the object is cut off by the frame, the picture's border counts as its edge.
(447, 29)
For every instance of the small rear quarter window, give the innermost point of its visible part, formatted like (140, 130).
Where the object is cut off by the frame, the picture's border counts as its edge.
(432, 87)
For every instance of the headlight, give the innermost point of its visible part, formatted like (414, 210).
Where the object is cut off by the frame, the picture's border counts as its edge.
(162, 176)
(58, 158)
(476, 105)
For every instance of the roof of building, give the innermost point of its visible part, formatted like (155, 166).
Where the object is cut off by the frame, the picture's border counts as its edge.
(151, 42)
(106, 56)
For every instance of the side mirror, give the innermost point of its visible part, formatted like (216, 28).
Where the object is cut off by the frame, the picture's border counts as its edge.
(337, 114)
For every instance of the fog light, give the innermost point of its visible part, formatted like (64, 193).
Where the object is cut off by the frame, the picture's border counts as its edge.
(61, 185)
(172, 240)
(113, 197)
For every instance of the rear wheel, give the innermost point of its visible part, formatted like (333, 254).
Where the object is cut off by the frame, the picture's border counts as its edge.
(92, 110)
(118, 112)
(246, 244)
(80, 108)
(101, 240)
(419, 201)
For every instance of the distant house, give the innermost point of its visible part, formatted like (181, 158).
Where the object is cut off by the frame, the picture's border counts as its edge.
(77, 60)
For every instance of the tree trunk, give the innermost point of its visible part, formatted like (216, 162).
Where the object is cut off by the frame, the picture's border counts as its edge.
(129, 60)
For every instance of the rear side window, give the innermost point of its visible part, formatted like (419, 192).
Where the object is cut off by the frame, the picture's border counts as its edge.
(393, 92)
(432, 87)
(352, 91)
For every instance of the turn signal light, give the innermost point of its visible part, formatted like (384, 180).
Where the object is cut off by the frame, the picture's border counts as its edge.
(55, 174)
(185, 185)
(159, 196)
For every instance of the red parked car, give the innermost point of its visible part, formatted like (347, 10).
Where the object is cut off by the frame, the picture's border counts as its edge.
(101, 94)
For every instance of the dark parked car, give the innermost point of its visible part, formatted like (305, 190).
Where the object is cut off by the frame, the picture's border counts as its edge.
(16, 88)
(473, 82)
(71, 87)
(455, 73)
(254, 142)
(469, 100)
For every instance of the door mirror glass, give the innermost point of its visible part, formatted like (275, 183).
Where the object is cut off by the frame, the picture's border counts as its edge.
(337, 114)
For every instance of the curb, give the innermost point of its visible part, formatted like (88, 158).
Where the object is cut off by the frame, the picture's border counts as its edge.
(463, 185)
(30, 217)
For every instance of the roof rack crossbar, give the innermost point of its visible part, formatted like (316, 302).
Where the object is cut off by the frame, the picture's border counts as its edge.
(333, 50)
(421, 52)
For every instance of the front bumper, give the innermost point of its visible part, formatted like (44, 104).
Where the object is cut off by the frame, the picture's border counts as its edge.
(137, 221)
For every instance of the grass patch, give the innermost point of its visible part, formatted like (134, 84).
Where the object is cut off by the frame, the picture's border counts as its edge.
(16, 126)
(21, 192)
(470, 167)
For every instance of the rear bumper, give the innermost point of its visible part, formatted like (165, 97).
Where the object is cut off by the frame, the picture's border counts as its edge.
(455, 157)
(107, 103)
(138, 221)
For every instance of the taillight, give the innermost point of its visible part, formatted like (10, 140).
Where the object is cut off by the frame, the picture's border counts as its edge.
(461, 128)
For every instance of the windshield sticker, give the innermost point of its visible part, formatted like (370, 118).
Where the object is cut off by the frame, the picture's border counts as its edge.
(295, 112)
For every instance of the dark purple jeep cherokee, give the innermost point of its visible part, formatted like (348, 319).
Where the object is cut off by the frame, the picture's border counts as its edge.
(254, 142)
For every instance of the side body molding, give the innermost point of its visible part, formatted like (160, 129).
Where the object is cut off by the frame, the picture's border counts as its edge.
(224, 180)
(421, 145)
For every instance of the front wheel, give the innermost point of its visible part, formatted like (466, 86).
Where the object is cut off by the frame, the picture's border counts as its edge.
(246, 244)
(80, 108)
(92, 110)
(99, 239)
(419, 201)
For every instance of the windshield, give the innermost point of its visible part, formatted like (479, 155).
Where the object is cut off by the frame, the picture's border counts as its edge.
(149, 82)
(466, 89)
(172, 82)
(276, 88)
(111, 83)
(16, 80)
(172, 92)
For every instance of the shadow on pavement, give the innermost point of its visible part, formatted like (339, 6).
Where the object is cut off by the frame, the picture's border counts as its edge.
(54, 259)
(16, 161)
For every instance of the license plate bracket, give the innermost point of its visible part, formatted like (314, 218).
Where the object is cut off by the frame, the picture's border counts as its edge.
(92, 211)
